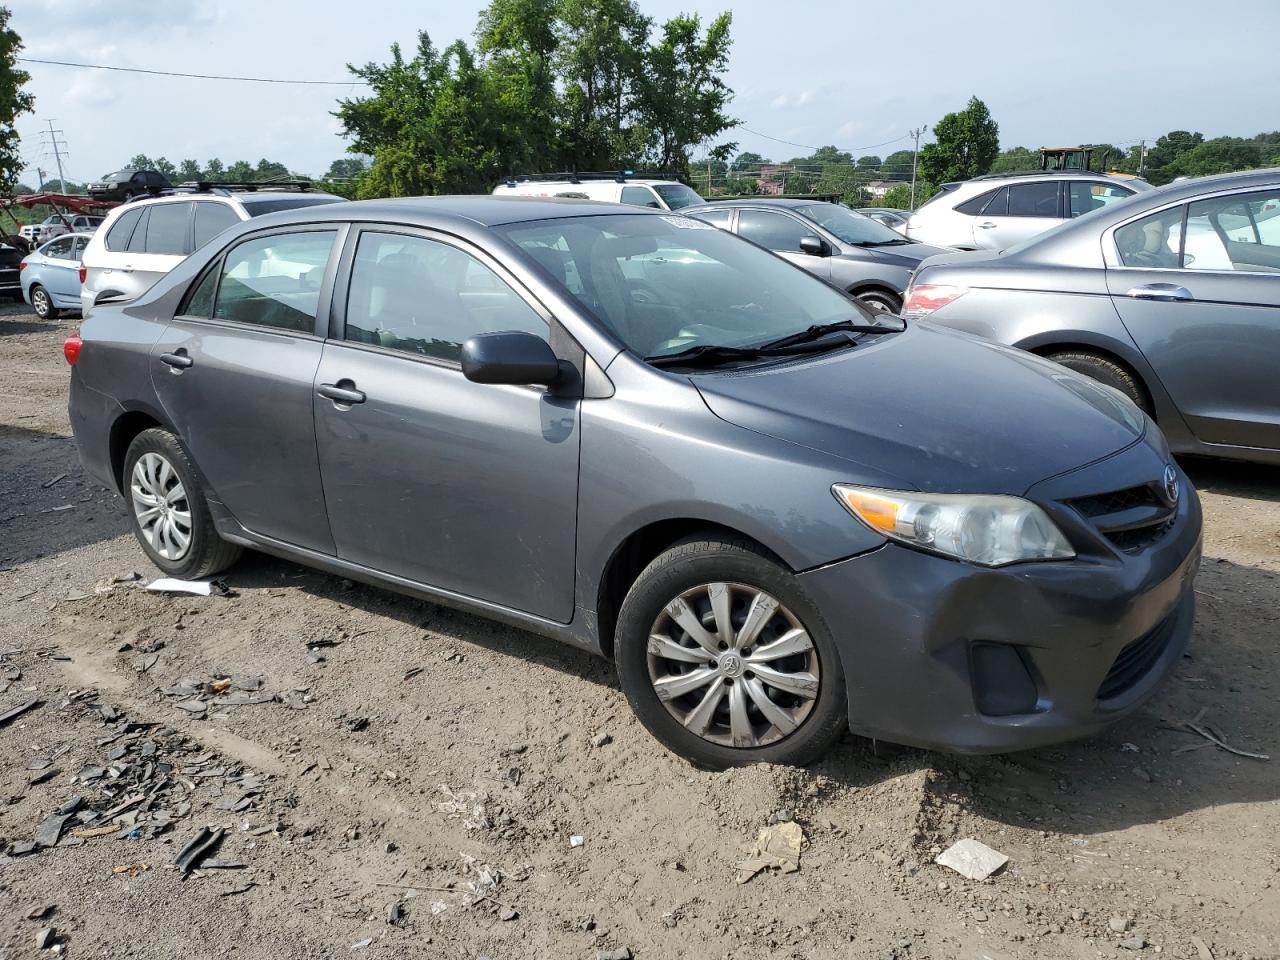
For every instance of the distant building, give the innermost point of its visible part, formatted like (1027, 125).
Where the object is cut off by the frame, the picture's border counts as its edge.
(773, 178)
(878, 188)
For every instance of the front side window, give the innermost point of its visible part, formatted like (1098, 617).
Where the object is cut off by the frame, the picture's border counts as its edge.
(1153, 242)
(774, 231)
(167, 229)
(1239, 233)
(663, 284)
(275, 281)
(122, 230)
(59, 249)
(1033, 199)
(1085, 197)
(428, 298)
(855, 228)
(717, 218)
(639, 197)
(677, 196)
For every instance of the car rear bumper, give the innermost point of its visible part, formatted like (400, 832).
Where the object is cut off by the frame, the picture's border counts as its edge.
(944, 655)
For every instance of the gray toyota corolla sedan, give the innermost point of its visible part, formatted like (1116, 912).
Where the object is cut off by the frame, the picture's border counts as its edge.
(1171, 296)
(640, 435)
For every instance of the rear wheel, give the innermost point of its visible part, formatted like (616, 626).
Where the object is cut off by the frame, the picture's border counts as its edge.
(42, 303)
(168, 511)
(1107, 371)
(726, 661)
(880, 301)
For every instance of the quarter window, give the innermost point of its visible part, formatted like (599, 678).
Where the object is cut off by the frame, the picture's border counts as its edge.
(776, 231)
(1153, 242)
(275, 281)
(975, 205)
(138, 242)
(200, 301)
(1033, 199)
(120, 232)
(428, 298)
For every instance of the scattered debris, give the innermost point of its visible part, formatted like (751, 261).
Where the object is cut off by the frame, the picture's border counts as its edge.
(601, 740)
(45, 938)
(972, 859)
(199, 588)
(42, 911)
(132, 869)
(49, 483)
(361, 944)
(396, 914)
(1118, 924)
(618, 953)
(49, 832)
(1196, 728)
(199, 847)
(18, 711)
(776, 847)
(1202, 949)
(576, 840)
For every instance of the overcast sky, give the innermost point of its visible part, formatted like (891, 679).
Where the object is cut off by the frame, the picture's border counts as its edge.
(848, 72)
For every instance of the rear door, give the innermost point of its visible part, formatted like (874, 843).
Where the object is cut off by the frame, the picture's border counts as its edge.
(1018, 213)
(236, 369)
(470, 488)
(1198, 287)
(782, 233)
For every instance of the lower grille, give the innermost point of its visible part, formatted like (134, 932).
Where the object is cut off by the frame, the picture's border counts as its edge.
(1136, 660)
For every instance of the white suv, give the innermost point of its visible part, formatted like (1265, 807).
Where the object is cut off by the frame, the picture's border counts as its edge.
(604, 187)
(143, 240)
(996, 211)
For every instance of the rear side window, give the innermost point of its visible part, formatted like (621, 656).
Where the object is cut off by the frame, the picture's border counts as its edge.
(211, 219)
(776, 231)
(1154, 242)
(274, 281)
(167, 229)
(120, 232)
(1033, 199)
(138, 242)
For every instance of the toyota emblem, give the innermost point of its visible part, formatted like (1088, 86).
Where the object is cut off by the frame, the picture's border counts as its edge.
(1170, 485)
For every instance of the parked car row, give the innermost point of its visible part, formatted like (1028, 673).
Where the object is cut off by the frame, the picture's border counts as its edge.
(56, 225)
(780, 514)
(50, 276)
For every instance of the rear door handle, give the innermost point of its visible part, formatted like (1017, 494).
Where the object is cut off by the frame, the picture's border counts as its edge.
(988, 225)
(344, 391)
(1160, 291)
(179, 360)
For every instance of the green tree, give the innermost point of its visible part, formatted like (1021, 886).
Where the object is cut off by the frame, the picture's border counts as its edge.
(346, 168)
(189, 170)
(1167, 149)
(240, 172)
(166, 168)
(869, 162)
(683, 97)
(1220, 155)
(140, 161)
(967, 143)
(517, 38)
(271, 170)
(214, 171)
(1015, 159)
(897, 165)
(14, 101)
(750, 161)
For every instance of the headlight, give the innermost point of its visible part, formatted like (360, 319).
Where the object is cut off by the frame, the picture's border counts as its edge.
(987, 530)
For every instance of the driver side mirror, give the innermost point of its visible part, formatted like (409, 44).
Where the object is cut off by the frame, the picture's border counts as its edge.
(512, 357)
(813, 246)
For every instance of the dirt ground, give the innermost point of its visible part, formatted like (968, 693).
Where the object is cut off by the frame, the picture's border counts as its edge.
(394, 779)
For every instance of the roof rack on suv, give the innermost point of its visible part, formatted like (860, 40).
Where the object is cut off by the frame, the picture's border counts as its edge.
(1039, 173)
(577, 176)
(816, 197)
(226, 187)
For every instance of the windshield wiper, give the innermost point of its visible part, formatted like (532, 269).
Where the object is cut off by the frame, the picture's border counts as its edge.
(820, 330)
(710, 355)
(895, 242)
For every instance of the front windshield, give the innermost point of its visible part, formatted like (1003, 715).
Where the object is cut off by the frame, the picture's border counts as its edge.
(849, 226)
(665, 284)
(677, 195)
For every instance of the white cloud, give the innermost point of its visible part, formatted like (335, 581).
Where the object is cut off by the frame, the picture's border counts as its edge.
(89, 91)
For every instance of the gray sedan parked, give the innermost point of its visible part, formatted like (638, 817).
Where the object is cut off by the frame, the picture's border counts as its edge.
(1171, 296)
(847, 249)
(640, 435)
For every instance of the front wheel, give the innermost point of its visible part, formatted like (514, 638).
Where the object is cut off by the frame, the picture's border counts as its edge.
(878, 301)
(1106, 371)
(42, 303)
(168, 511)
(726, 661)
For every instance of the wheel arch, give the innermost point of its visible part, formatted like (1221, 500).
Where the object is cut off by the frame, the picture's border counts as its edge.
(637, 550)
(125, 427)
(1047, 345)
(874, 286)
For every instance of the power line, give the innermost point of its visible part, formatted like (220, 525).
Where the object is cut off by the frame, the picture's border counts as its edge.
(193, 76)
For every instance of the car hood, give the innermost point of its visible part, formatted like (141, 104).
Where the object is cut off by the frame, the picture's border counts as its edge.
(904, 255)
(934, 410)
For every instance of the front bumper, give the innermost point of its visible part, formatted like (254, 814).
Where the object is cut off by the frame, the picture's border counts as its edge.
(1096, 636)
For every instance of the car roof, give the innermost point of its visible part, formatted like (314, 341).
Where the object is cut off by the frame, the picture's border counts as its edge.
(790, 203)
(480, 210)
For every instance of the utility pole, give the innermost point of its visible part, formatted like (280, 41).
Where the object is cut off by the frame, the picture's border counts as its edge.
(1142, 156)
(57, 146)
(40, 174)
(915, 160)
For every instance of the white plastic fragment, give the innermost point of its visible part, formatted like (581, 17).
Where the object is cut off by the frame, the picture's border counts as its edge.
(972, 859)
(576, 841)
(201, 588)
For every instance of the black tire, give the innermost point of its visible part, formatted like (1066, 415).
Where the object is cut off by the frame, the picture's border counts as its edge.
(687, 565)
(880, 301)
(1107, 371)
(42, 303)
(206, 553)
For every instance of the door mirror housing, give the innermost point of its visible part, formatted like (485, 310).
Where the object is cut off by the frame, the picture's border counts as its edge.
(813, 246)
(512, 357)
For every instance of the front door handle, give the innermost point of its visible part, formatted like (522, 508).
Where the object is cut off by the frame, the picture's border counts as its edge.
(178, 360)
(1160, 291)
(988, 225)
(344, 391)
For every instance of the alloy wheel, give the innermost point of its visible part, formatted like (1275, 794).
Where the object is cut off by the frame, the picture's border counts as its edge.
(160, 506)
(733, 665)
(40, 302)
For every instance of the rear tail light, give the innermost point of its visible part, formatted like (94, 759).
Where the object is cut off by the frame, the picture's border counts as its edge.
(924, 299)
(71, 348)
(83, 270)
(22, 266)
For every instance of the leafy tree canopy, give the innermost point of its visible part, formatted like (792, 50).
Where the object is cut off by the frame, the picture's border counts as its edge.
(967, 143)
(14, 101)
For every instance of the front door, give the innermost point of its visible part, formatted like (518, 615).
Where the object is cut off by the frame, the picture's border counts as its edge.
(235, 371)
(782, 234)
(465, 487)
(61, 272)
(1198, 289)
